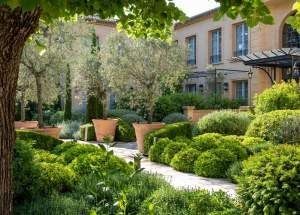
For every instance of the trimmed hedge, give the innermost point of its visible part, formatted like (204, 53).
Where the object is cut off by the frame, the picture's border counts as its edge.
(269, 183)
(233, 144)
(207, 141)
(214, 163)
(282, 96)
(89, 128)
(170, 131)
(281, 126)
(255, 144)
(171, 150)
(225, 122)
(185, 159)
(157, 150)
(40, 141)
(100, 162)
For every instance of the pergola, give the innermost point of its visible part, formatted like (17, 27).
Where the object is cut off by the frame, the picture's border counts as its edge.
(268, 61)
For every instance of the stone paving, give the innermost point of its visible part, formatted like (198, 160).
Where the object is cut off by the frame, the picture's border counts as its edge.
(175, 178)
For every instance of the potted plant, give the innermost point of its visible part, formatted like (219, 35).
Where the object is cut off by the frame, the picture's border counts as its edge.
(97, 88)
(144, 69)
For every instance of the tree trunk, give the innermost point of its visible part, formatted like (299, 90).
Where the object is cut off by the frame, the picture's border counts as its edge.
(23, 117)
(104, 105)
(38, 82)
(68, 101)
(15, 27)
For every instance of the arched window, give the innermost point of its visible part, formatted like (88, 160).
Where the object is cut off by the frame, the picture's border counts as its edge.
(291, 38)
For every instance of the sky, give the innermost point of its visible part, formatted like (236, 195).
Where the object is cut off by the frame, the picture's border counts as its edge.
(194, 7)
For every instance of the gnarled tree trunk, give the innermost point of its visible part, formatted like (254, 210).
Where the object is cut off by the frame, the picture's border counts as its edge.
(38, 81)
(15, 28)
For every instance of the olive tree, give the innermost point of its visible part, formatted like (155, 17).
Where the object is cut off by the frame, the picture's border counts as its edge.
(146, 67)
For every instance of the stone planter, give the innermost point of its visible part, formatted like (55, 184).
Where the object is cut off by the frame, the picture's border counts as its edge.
(26, 124)
(51, 131)
(105, 128)
(142, 129)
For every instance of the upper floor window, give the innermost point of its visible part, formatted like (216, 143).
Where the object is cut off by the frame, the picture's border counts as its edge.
(216, 46)
(191, 45)
(291, 38)
(241, 37)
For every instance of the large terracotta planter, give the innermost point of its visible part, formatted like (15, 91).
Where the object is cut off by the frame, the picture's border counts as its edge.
(142, 129)
(51, 131)
(105, 128)
(26, 124)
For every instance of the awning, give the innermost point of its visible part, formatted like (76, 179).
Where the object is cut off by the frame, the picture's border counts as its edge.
(275, 58)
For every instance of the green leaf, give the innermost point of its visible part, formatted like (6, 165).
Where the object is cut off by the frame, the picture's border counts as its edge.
(28, 5)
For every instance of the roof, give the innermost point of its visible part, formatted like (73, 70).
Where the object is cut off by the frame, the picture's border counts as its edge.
(196, 18)
(280, 58)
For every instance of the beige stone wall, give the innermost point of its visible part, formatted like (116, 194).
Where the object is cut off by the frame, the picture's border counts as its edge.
(262, 37)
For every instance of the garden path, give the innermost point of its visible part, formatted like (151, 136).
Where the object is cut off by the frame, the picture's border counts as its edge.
(175, 178)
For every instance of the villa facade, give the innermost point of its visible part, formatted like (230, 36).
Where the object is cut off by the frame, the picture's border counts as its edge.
(213, 46)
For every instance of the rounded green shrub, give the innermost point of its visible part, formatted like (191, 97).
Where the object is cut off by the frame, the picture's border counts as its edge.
(185, 159)
(157, 150)
(45, 156)
(206, 141)
(225, 122)
(77, 150)
(171, 150)
(118, 113)
(63, 147)
(233, 144)
(214, 163)
(56, 118)
(125, 131)
(132, 117)
(40, 141)
(100, 162)
(55, 177)
(281, 126)
(174, 117)
(255, 144)
(285, 95)
(24, 170)
(270, 181)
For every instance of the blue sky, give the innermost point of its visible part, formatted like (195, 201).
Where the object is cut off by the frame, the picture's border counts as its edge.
(194, 7)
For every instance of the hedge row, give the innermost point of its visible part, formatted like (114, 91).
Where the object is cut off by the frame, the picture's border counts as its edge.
(171, 131)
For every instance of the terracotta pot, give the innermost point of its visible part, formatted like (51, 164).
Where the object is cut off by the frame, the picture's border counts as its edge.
(105, 128)
(51, 131)
(142, 129)
(26, 124)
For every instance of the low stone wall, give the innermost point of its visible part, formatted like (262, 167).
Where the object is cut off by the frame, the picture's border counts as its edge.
(194, 115)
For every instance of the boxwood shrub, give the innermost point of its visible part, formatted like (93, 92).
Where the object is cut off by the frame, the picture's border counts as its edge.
(171, 131)
(225, 122)
(55, 177)
(279, 97)
(206, 141)
(100, 162)
(157, 150)
(270, 180)
(185, 159)
(214, 163)
(40, 141)
(172, 149)
(233, 144)
(255, 144)
(281, 126)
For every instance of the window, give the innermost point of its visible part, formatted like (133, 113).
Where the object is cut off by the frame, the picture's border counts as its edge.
(241, 90)
(216, 46)
(241, 39)
(191, 45)
(190, 88)
(291, 38)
